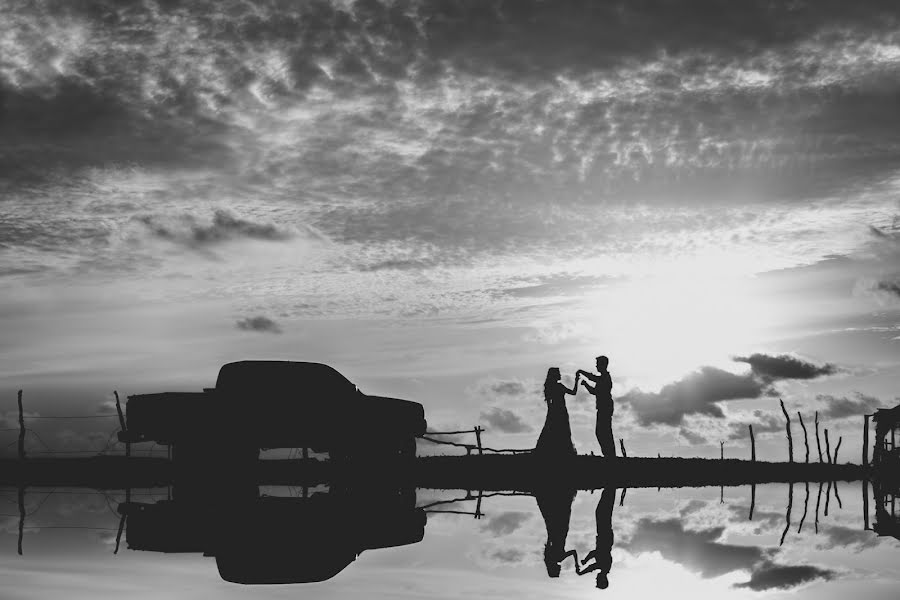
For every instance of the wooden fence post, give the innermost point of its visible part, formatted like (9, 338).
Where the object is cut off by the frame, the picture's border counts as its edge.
(721, 450)
(818, 444)
(21, 429)
(122, 424)
(865, 448)
(622, 446)
(836, 448)
(827, 452)
(478, 431)
(788, 428)
(752, 445)
(805, 438)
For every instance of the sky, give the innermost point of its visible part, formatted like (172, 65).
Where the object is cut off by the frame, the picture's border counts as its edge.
(444, 199)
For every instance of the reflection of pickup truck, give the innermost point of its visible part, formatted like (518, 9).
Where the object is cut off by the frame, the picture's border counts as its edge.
(275, 404)
(278, 539)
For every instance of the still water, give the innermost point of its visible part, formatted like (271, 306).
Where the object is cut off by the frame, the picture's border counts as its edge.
(672, 543)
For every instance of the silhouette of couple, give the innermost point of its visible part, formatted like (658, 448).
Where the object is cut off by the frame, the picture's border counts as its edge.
(556, 436)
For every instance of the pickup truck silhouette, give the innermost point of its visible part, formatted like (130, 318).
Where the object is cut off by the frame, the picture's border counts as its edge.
(275, 404)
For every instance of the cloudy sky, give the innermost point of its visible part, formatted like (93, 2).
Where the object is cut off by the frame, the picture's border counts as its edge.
(444, 199)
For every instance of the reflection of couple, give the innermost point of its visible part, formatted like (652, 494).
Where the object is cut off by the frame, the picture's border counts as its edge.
(556, 508)
(556, 436)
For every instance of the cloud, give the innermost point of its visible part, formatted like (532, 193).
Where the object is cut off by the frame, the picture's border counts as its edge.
(700, 392)
(259, 323)
(697, 393)
(188, 231)
(891, 287)
(763, 423)
(508, 388)
(504, 420)
(784, 366)
(505, 523)
(771, 576)
(843, 407)
(695, 439)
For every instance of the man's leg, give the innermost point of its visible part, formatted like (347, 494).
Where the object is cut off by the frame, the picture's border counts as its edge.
(605, 437)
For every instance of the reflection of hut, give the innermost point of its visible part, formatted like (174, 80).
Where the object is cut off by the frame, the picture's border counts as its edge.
(887, 421)
(887, 521)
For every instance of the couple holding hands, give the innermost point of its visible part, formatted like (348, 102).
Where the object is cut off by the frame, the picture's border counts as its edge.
(556, 436)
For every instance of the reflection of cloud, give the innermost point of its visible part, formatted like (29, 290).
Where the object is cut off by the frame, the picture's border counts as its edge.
(507, 555)
(842, 407)
(699, 551)
(771, 576)
(505, 523)
(846, 538)
(504, 420)
(259, 323)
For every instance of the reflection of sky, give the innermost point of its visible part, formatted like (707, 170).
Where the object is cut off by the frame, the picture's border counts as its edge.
(682, 543)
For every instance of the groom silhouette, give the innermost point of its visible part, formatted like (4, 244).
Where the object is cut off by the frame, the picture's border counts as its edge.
(602, 392)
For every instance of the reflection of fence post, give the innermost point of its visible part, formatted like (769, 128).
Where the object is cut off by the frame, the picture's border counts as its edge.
(752, 500)
(752, 446)
(21, 515)
(865, 493)
(478, 505)
(788, 429)
(805, 438)
(21, 430)
(622, 446)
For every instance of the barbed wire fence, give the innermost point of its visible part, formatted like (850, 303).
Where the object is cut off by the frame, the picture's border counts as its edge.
(27, 434)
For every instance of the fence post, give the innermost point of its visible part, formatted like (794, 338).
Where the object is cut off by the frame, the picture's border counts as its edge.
(836, 448)
(721, 450)
(818, 443)
(122, 424)
(478, 431)
(788, 429)
(21, 429)
(752, 445)
(827, 452)
(622, 446)
(865, 448)
(805, 438)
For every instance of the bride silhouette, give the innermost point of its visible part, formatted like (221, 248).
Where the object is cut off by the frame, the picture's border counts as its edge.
(556, 436)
